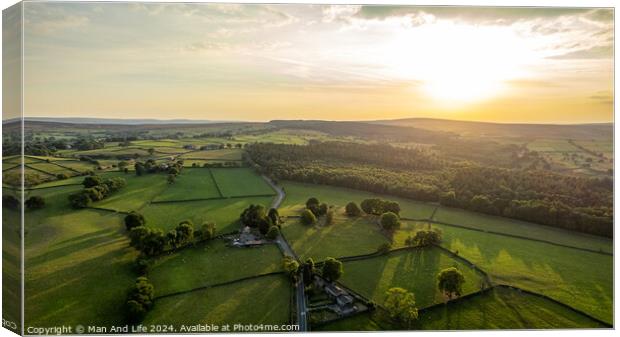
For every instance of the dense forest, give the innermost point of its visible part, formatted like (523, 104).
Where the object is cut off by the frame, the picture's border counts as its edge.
(525, 193)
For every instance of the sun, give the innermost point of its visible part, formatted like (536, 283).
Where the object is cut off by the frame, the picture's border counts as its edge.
(456, 63)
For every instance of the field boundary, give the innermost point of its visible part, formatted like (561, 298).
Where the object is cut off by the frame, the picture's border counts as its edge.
(109, 210)
(39, 170)
(205, 287)
(212, 198)
(509, 235)
(217, 186)
(506, 286)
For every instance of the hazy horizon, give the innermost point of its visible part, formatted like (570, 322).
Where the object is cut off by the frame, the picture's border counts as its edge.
(279, 61)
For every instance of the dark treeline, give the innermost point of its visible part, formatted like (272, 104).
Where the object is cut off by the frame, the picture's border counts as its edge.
(571, 202)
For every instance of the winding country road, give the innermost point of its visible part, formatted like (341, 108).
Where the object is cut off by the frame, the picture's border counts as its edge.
(300, 296)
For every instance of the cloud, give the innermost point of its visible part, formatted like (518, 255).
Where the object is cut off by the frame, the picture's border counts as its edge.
(340, 13)
(49, 18)
(479, 15)
(597, 52)
(603, 97)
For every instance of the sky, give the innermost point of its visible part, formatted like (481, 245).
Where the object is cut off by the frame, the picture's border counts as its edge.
(264, 62)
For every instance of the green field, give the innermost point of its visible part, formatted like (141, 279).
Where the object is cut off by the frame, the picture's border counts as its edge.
(191, 184)
(577, 278)
(522, 228)
(414, 270)
(68, 254)
(504, 309)
(262, 300)
(212, 263)
(500, 308)
(346, 237)
(140, 190)
(235, 182)
(52, 168)
(224, 212)
(222, 155)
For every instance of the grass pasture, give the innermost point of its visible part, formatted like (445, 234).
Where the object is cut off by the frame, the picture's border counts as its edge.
(346, 237)
(192, 184)
(68, 254)
(224, 212)
(414, 270)
(219, 155)
(522, 228)
(236, 182)
(140, 190)
(52, 168)
(504, 308)
(212, 263)
(574, 277)
(263, 300)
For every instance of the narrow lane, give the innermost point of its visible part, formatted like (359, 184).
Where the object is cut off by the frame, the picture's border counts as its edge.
(300, 296)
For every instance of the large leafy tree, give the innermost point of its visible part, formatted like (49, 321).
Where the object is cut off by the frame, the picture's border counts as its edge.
(450, 282)
(332, 269)
(400, 305)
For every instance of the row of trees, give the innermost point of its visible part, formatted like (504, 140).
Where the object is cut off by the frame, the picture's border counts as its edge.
(153, 241)
(150, 166)
(95, 189)
(32, 203)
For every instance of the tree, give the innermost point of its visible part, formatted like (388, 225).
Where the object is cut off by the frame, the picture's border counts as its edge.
(171, 178)
(253, 216)
(274, 216)
(140, 168)
(140, 299)
(62, 176)
(147, 240)
(10, 201)
(400, 305)
(291, 266)
(92, 181)
(171, 237)
(450, 282)
(122, 165)
(390, 206)
(368, 205)
(389, 221)
(323, 209)
(353, 210)
(308, 271)
(151, 151)
(307, 217)
(332, 269)
(207, 231)
(426, 238)
(134, 219)
(35, 202)
(272, 233)
(329, 217)
(80, 200)
(313, 205)
(185, 233)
